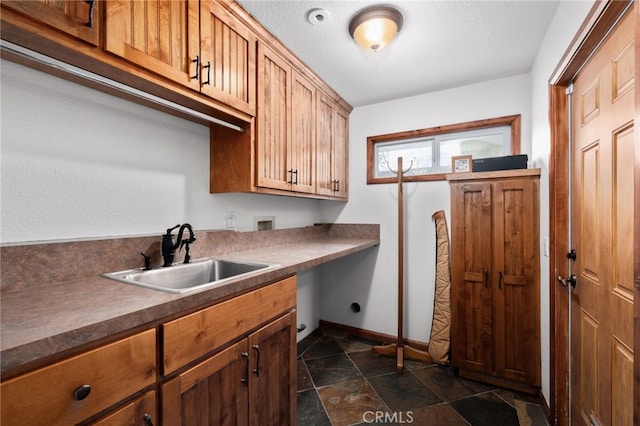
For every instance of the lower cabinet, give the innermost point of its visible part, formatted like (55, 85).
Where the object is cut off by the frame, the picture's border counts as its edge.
(233, 363)
(249, 376)
(251, 382)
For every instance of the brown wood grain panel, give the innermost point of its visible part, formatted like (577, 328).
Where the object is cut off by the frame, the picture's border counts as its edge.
(622, 403)
(324, 145)
(623, 71)
(590, 212)
(212, 392)
(272, 385)
(587, 365)
(303, 134)
(623, 147)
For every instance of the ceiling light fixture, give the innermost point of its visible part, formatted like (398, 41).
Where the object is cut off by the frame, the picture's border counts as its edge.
(375, 27)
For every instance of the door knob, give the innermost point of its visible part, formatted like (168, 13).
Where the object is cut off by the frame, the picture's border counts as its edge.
(572, 280)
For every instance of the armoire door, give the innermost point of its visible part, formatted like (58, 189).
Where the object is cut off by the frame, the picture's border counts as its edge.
(471, 237)
(516, 307)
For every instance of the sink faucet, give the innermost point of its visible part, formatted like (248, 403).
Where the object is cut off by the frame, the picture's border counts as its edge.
(170, 245)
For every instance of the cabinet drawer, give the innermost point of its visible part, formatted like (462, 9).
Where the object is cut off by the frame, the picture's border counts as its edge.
(113, 372)
(188, 338)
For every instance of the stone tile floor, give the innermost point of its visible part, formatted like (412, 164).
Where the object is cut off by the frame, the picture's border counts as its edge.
(341, 383)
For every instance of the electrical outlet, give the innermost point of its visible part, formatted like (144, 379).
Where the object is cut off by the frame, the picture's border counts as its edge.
(232, 217)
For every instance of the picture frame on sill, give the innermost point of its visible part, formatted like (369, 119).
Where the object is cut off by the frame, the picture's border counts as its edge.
(461, 164)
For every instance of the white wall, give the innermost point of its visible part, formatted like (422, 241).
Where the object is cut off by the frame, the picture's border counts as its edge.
(79, 163)
(565, 25)
(371, 277)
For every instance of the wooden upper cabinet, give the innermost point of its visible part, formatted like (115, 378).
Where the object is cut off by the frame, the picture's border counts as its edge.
(198, 44)
(332, 149)
(80, 19)
(274, 169)
(161, 36)
(228, 58)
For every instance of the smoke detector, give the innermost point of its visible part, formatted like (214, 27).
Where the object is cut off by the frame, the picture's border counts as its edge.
(318, 16)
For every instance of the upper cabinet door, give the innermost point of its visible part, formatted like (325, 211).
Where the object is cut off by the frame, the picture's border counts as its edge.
(341, 153)
(159, 35)
(332, 149)
(228, 63)
(80, 19)
(273, 156)
(303, 134)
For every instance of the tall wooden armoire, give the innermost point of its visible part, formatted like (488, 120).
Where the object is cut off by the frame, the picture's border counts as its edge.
(495, 277)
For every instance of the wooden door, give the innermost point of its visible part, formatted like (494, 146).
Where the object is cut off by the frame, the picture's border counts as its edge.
(213, 392)
(602, 233)
(341, 153)
(272, 385)
(274, 168)
(515, 280)
(303, 134)
(471, 236)
(228, 58)
(324, 146)
(80, 19)
(161, 36)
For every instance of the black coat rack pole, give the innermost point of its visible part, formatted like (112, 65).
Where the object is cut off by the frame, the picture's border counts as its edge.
(399, 349)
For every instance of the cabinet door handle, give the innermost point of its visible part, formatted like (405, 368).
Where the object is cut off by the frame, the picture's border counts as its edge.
(245, 379)
(91, 4)
(290, 171)
(81, 392)
(485, 277)
(208, 67)
(500, 280)
(147, 420)
(295, 172)
(197, 62)
(256, 370)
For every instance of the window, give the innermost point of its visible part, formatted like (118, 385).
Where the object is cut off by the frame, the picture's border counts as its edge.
(428, 152)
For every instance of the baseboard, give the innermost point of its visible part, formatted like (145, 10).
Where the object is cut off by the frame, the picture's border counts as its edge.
(373, 335)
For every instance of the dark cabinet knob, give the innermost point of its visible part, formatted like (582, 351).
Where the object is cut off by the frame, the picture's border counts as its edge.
(81, 392)
(147, 420)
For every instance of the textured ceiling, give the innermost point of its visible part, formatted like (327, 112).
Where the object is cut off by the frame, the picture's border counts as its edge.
(442, 44)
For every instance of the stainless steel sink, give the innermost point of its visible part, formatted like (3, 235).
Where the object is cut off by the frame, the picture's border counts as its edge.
(181, 278)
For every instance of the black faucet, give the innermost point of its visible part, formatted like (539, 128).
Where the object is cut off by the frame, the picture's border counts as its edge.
(170, 245)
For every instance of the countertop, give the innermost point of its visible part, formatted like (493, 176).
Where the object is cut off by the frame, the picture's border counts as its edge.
(42, 321)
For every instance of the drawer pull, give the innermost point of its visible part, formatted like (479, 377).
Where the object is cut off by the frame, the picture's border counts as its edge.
(147, 420)
(81, 392)
(256, 370)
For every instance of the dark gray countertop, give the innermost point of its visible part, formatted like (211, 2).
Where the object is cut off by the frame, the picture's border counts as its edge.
(42, 321)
